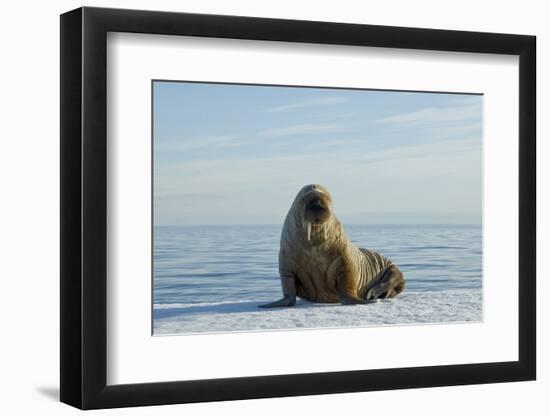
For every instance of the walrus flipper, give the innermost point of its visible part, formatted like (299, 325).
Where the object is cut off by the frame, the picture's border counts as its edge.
(289, 292)
(347, 300)
(286, 301)
(390, 284)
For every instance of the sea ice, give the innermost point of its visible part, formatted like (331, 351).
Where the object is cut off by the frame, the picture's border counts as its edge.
(456, 305)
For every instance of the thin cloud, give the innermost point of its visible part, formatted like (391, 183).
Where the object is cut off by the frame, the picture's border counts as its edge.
(302, 129)
(435, 115)
(444, 160)
(325, 101)
(428, 156)
(189, 144)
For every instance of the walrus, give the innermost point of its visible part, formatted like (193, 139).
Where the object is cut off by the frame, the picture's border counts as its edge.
(318, 262)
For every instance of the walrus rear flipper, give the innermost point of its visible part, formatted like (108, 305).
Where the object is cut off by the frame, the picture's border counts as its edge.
(389, 285)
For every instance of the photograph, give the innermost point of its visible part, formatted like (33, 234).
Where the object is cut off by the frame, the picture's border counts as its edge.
(301, 207)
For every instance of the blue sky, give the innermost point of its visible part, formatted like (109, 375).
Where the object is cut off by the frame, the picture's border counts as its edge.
(238, 154)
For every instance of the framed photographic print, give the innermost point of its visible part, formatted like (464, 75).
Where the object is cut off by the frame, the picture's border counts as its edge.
(259, 207)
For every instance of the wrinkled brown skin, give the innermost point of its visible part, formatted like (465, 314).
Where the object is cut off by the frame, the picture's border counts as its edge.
(328, 268)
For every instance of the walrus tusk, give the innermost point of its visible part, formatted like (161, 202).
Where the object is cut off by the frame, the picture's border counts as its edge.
(325, 231)
(308, 231)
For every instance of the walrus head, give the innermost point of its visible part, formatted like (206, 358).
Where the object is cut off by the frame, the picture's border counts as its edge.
(315, 206)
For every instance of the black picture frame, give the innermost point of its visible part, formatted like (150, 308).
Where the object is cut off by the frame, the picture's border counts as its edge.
(84, 207)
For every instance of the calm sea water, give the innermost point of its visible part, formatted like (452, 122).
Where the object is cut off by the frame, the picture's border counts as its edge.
(205, 264)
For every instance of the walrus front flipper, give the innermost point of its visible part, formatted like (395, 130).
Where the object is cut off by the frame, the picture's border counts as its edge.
(286, 301)
(289, 291)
